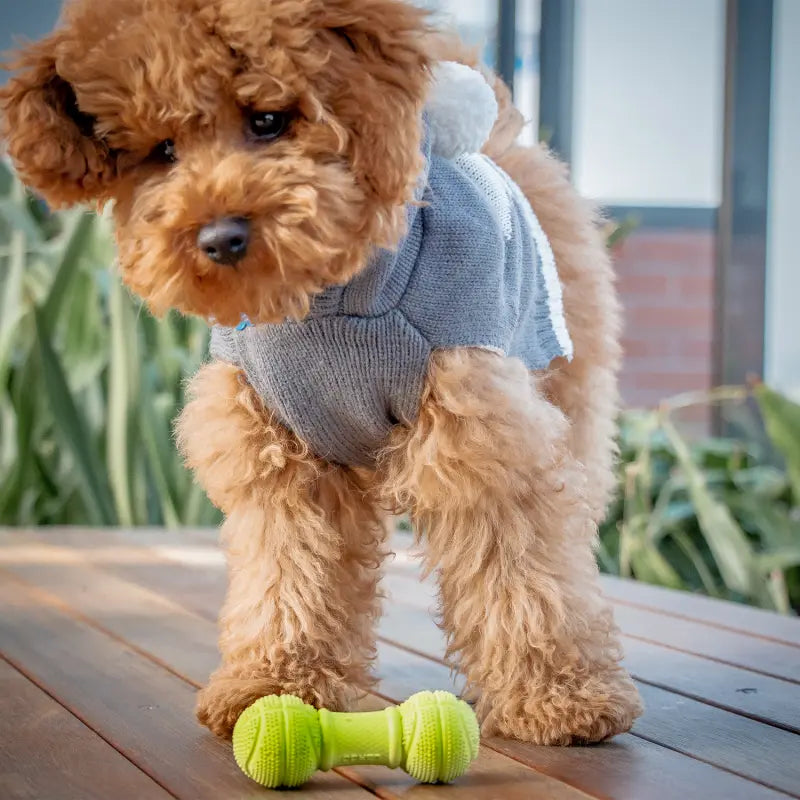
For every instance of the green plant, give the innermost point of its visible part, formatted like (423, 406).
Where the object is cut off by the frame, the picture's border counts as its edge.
(717, 515)
(89, 384)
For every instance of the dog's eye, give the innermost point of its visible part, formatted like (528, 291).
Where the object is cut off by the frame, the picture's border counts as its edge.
(164, 152)
(268, 125)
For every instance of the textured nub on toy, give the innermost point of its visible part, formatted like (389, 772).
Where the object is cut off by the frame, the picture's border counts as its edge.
(440, 736)
(281, 741)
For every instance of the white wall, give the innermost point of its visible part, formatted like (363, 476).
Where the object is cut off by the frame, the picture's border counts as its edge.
(649, 101)
(475, 19)
(526, 78)
(783, 246)
(476, 22)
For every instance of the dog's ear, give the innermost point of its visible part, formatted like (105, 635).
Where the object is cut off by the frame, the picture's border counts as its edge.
(380, 62)
(51, 141)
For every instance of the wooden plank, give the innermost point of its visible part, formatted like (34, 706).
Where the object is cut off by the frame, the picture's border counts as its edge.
(198, 543)
(144, 711)
(629, 768)
(143, 555)
(764, 656)
(626, 767)
(756, 695)
(402, 674)
(46, 752)
(492, 776)
(730, 647)
(732, 616)
(202, 591)
(184, 642)
(216, 583)
(752, 694)
(199, 585)
(424, 635)
(736, 743)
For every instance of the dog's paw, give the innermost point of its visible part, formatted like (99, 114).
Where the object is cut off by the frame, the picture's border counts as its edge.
(221, 702)
(598, 709)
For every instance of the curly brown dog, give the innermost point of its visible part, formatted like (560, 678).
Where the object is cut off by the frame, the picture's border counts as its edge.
(258, 153)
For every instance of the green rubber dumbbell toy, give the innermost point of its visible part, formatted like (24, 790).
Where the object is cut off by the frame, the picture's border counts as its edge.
(281, 741)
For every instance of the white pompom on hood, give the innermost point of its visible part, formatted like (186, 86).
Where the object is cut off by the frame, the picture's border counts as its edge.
(461, 110)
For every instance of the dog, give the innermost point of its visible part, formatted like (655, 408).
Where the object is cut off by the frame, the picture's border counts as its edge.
(275, 167)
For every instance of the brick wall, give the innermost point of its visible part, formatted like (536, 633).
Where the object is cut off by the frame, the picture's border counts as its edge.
(666, 284)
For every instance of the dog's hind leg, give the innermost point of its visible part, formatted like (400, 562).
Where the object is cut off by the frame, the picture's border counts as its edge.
(303, 546)
(585, 389)
(501, 504)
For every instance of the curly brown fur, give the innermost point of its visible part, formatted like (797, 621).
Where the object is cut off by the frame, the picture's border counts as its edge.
(506, 474)
(91, 102)
(304, 548)
(500, 500)
(586, 387)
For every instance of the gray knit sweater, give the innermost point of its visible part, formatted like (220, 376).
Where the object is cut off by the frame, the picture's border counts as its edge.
(474, 270)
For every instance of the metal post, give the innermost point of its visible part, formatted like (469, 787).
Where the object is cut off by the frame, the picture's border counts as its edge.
(556, 71)
(742, 220)
(507, 41)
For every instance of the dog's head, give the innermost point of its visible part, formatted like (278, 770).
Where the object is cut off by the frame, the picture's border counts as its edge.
(254, 149)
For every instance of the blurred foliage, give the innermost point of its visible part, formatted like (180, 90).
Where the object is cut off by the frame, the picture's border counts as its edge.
(616, 232)
(89, 385)
(718, 515)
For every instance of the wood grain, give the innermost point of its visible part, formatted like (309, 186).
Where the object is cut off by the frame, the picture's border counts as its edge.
(666, 602)
(626, 767)
(703, 731)
(752, 694)
(181, 565)
(737, 617)
(734, 617)
(740, 650)
(753, 753)
(200, 587)
(737, 689)
(144, 711)
(184, 642)
(757, 654)
(404, 672)
(46, 752)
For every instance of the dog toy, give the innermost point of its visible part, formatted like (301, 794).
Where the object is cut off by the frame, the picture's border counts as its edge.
(280, 740)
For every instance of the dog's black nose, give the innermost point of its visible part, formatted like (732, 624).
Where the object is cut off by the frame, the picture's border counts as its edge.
(225, 240)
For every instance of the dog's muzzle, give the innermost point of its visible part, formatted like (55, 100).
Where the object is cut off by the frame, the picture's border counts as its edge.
(225, 240)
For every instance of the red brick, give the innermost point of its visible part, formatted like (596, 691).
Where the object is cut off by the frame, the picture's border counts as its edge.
(668, 363)
(698, 285)
(672, 382)
(644, 284)
(669, 318)
(670, 298)
(666, 285)
(696, 346)
(633, 346)
(678, 246)
(644, 266)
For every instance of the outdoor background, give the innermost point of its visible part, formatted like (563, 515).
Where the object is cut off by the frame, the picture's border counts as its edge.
(681, 119)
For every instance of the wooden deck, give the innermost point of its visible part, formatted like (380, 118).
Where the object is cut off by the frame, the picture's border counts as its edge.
(105, 635)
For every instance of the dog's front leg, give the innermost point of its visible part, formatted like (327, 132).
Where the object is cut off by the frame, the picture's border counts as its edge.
(502, 506)
(303, 548)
